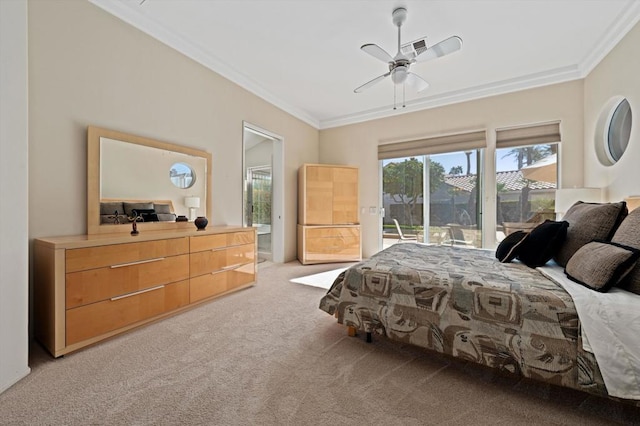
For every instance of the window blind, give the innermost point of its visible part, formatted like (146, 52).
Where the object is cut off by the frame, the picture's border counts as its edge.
(435, 145)
(528, 135)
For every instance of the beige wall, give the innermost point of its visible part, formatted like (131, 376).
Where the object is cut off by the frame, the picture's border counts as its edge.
(87, 67)
(357, 144)
(618, 74)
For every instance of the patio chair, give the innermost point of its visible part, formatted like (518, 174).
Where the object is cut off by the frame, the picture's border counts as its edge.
(456, 236)
(401, 235)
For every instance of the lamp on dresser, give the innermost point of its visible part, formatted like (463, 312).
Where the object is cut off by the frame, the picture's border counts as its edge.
(193, 203)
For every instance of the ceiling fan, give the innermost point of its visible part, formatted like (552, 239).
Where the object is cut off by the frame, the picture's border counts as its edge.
(409, 53)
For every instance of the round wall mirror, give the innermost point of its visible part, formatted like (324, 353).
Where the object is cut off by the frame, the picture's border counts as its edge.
(618, 131)
(182, 175)
(613, 130)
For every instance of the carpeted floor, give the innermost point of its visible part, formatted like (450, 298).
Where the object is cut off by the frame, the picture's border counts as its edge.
(267, 355)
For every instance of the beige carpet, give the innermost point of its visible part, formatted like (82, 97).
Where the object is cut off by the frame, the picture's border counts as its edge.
(267, 356)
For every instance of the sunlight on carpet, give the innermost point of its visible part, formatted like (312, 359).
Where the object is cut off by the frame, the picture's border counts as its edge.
(322, 280)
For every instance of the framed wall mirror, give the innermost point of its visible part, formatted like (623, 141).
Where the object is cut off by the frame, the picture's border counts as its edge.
(159, 185)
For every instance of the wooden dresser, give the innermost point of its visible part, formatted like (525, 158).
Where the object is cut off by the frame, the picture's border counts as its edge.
(89, 288)
(328, 225)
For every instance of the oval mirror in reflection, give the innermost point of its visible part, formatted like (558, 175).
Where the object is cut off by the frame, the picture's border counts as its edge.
(182, 175)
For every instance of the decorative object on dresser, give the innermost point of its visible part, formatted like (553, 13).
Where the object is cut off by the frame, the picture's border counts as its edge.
(201, 223)
(328, 224)
(192, 203)
(89, 288)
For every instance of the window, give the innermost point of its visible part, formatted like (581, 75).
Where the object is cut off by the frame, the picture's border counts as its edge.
(526, 176)
(526, 181)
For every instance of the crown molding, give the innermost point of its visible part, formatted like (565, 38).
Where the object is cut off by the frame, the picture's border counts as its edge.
(627, 19)
(127, 13)
(530, 81)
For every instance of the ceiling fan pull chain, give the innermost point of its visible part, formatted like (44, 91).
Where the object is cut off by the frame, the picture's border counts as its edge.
(403, 98)
(394, 96)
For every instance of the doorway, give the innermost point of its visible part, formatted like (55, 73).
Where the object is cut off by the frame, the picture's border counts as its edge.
(263, 197)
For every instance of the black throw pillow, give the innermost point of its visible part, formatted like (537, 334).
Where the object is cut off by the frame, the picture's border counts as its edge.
(542, 243)
(148, 215)
(508, 248)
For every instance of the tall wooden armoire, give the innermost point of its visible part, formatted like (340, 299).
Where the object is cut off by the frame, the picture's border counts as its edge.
(328, 221)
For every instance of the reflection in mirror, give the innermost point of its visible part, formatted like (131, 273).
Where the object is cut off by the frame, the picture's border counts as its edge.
(127, 173)
(182, 175)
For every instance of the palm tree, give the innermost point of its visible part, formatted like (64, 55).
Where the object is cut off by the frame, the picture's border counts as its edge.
(528, 155)
(456, 170)
(468, 154)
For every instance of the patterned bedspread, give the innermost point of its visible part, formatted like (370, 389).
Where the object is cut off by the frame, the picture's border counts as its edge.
(465, 303)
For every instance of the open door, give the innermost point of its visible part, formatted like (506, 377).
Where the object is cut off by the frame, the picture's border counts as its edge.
(263, 196)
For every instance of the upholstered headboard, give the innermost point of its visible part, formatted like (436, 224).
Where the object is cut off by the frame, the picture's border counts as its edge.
(122, 211)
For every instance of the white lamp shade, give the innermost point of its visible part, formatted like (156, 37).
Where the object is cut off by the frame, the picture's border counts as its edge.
(567, 197)
(192, 202)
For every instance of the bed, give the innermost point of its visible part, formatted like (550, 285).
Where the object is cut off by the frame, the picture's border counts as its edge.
(530, 321)
(114, 211)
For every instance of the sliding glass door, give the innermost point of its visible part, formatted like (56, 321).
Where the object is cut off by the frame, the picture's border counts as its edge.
(433, 199)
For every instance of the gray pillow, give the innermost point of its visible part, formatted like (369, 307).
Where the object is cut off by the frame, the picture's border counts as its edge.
(129, 207)
(110, 219)
(589, 222)
(599, 265)
(111, 207)
(162, 208)
(166, 217)
(628, 233)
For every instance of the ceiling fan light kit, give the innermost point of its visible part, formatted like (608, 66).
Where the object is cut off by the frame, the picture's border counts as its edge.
(407, 54)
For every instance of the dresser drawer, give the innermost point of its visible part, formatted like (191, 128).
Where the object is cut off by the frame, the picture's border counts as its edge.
(217, 241)
(117, 254)
(94, 285)
(212, 284)
(92, 320)
(205, 262)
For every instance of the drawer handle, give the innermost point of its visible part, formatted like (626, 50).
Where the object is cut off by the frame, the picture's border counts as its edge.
(113, 299)
(234, 266)
(140, 262)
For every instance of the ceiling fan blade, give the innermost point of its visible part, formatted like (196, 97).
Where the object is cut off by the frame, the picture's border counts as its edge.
(450, 45)
(416, 82)
(377, 52)
(371, 83)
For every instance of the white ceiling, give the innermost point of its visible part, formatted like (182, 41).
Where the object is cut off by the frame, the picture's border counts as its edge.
(304, 55)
